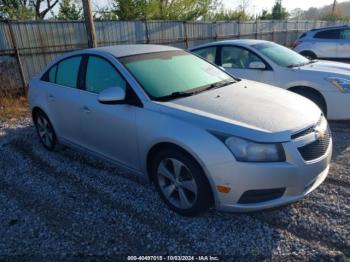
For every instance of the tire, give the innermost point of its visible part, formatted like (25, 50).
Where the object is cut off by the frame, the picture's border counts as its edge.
(315, 97)
(181, 183)
(45, 131)
(308, 54)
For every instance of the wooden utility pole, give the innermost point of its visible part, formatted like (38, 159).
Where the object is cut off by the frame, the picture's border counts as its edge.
(18, 58)
(89, 23)
(333, 8)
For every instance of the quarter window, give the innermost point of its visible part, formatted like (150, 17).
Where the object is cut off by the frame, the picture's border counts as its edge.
(208, 53)
(100, 75)
(236, 57)
(67, 72)
(52, 74)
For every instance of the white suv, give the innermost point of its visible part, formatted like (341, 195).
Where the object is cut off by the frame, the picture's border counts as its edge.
(332, 43)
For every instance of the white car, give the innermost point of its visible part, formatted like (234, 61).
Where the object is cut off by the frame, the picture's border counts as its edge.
(325, 83)
(331, 43)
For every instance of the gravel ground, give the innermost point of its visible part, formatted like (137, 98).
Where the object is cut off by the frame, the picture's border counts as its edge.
(66, 203)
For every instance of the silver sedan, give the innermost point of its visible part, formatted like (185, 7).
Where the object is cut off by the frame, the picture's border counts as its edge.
(202, 136)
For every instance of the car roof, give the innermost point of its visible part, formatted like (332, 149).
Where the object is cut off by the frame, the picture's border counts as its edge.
(330, 27)
(242, 42)
(133, 49)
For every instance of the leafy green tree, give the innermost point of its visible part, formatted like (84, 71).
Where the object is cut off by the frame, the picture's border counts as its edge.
(16, 10)
(182, 9)
(223, 15)
(279, 12)
(265, 15)
(69, 10)
(131, 9)
(161, 9)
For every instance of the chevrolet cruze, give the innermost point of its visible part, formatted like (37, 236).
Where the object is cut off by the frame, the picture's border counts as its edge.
(202, 136)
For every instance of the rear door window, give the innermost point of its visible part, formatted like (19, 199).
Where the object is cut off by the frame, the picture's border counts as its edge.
(328, 34)
(345, 34)
(67, 72)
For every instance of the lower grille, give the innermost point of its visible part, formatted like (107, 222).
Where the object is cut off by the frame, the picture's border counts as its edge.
(317, 148)
(257, 196)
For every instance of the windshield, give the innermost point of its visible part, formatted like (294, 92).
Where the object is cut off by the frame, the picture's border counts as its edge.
(171, 73)
(281, 55)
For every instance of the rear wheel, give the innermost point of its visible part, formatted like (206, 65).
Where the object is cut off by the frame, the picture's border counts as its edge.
(45, 130)
(181, 182)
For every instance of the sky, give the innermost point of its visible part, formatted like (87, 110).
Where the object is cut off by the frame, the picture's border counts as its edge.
(256, 6)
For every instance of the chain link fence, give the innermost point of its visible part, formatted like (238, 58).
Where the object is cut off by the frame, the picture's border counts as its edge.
(26, 47)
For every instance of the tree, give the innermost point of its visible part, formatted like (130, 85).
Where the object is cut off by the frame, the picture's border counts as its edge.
(16, 10)
(265, 15)
(69, 11)
(279, 12)
(26, 9)
(41, 8)
(162, 9)
(296, 14)
(182, 9)
(131, 9)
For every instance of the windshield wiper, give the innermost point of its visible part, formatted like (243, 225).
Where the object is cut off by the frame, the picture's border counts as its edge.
(302, 64)
(173, 95)
(195, 91)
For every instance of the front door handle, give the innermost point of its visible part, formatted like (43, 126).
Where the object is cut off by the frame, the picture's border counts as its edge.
(86, 109)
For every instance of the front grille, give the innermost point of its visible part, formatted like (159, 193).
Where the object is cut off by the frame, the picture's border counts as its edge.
(317, 148)
(257, 196)
(306, 131)
(303, 133)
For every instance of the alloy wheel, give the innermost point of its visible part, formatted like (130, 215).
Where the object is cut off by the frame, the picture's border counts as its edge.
(177, 183)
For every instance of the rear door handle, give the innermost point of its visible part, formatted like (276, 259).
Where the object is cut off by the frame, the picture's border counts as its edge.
(86, 109)
(52, 97)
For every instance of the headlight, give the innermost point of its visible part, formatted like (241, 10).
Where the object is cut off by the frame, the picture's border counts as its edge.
(249, 151)
(341, 84)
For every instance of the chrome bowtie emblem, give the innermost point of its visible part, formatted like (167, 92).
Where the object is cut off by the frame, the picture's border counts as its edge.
(319, 132)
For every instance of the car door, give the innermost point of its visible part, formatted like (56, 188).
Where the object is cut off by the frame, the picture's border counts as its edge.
(108, 129)
(343, 51)
(325, 43)
(63, 96)
(238, 62)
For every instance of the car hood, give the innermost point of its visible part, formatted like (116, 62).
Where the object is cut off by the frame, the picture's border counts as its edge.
(328, 67)
(254, 110)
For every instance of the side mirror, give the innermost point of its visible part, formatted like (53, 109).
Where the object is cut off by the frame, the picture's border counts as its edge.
(112, 95)
(257, 65)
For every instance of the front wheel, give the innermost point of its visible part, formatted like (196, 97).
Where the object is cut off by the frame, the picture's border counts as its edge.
(181, 182)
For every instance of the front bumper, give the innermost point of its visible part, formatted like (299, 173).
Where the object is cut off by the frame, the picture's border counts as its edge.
(297, 176)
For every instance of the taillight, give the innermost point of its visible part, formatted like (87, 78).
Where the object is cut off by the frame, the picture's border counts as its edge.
(296, 43)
